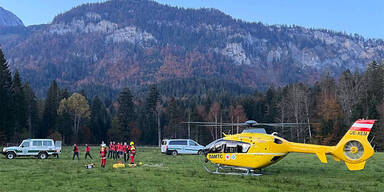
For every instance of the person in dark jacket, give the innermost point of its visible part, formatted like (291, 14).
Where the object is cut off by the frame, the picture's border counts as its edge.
(110, 149)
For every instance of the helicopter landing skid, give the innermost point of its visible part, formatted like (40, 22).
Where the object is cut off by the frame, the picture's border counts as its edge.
(248, 171)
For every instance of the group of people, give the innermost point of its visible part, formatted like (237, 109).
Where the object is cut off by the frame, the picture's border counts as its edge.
(76, 152)
(118, 150)
(115, 151)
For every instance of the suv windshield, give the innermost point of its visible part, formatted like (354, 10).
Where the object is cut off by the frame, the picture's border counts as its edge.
(192, 143)
(25, 144)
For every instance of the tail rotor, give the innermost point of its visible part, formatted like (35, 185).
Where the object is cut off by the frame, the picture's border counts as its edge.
(354, 148)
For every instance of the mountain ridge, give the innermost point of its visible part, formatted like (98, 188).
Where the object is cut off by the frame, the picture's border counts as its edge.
(7, 19)
(117, 44)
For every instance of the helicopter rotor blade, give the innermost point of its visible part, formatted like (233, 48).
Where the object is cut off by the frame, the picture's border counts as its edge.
(283, 124)
(254, 123)
(217, 125)
(197, 122)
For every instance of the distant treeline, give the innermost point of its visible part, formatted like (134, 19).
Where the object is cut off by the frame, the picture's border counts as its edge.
(329, 106)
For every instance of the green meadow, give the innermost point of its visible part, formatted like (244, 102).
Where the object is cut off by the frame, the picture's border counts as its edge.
(296, 172)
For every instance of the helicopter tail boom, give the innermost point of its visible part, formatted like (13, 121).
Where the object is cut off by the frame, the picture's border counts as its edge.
(354, 148)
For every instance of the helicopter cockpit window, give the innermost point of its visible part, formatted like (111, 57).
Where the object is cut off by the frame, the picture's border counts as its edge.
(226, 146)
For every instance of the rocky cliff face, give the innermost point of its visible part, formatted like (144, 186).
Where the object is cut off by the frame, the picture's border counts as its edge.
(7, 19)
(132, 43)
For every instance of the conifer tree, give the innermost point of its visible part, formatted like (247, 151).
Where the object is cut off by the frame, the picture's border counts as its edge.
(173, 117)
(32, 111)
(6, 110)
(19, 107)
(126, 113)
(114, 133)
(100, 121)
(148, 121)
(50, 110)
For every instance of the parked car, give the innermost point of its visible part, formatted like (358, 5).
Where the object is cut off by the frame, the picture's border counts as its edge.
(41, 148)
(181, 146)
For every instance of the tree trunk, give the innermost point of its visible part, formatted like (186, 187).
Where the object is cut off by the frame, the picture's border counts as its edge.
(158, 128)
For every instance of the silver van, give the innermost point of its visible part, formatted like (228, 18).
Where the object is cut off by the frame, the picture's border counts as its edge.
(41, 148)
(181, 146)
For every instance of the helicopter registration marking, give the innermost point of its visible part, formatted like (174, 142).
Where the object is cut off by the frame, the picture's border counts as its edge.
(360, 133)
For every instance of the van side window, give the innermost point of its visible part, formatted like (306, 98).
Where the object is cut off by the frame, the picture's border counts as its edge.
(163, 142)
(37, 143)
(47, 143)
(178, 143)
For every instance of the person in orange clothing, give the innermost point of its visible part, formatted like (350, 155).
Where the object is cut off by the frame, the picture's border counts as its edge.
(103, 155)
(132, 152)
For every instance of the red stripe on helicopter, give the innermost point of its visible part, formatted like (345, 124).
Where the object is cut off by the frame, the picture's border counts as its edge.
(362, 125)
(365, 121)
(359, 129)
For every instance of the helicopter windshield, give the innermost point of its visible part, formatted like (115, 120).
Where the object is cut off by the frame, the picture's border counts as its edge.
(227, 146)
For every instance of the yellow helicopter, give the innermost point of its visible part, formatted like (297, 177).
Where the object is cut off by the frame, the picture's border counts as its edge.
(254, 149)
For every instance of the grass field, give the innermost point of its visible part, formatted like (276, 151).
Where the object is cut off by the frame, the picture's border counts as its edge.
(297, 172)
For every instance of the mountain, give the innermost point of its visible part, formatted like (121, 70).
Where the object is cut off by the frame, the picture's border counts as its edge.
(7, 19)
(137, 42)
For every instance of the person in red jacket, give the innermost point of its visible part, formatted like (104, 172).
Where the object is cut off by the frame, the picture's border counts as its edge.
(121, 150)
(103, 155)
(87, 151)
(125, 151)
(132, 152)
(75, 152)
(118, 149)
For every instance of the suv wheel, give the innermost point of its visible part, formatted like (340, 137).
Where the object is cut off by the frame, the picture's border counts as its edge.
(11, 155)
(174, 153)
(200, 152)
(42, 155)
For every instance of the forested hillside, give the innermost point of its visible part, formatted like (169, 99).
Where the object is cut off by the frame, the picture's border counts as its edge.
(333, 104)
(103, 47)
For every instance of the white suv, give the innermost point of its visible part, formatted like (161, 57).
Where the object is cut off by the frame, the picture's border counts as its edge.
(41, 148)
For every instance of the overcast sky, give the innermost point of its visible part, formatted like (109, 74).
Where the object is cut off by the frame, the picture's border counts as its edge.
(351, 16)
